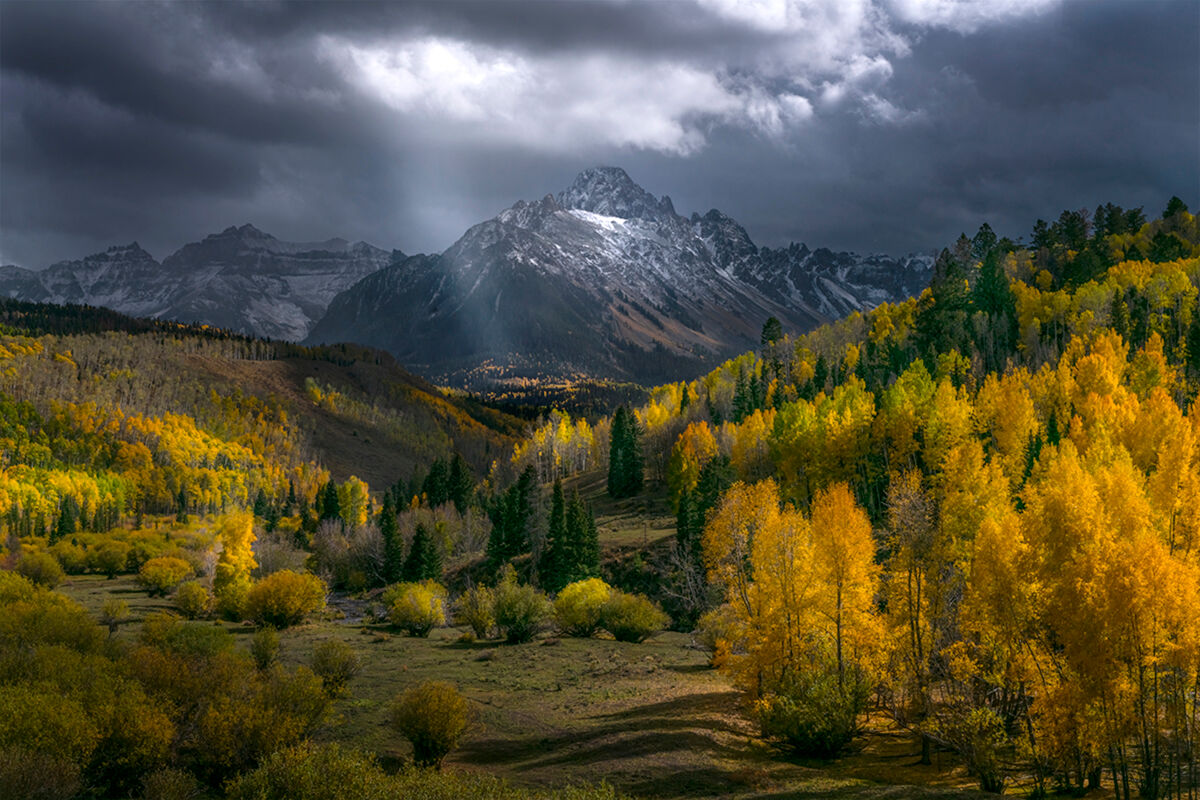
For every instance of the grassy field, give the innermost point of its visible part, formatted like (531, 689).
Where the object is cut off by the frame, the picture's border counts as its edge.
(651, 719)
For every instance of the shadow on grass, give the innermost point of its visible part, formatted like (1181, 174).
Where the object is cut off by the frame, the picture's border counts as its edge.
(685, 724)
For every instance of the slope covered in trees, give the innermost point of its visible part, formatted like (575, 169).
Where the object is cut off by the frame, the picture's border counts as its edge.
(977, 511)
(103, 418)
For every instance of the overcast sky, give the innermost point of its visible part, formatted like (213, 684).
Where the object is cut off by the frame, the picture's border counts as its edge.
(871, 125)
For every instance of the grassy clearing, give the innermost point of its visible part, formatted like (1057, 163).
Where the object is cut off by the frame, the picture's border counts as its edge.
(651, 719)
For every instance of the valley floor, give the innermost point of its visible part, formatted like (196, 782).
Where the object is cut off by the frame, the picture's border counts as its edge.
(651, 719)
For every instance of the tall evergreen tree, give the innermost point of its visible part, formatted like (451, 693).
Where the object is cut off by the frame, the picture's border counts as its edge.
(554, 567)
(393, 546)
(511, 516)
(181, 512)
(330, 506)
(625, 466)
(461, 483)
(65, 524)
(437, 484)
(424, 560)
(585, 542)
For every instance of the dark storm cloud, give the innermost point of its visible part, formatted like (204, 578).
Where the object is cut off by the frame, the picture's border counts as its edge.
(862, 124)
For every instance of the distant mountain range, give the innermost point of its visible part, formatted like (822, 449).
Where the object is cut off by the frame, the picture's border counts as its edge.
(601, 280)
(240, 278)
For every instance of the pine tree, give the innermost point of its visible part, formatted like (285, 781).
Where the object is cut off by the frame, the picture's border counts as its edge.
(461, 483)
(625, 467)
(585, 542)
(330, 506)
(393, 546)
(554, 566)
(65, 525)
(260, 504)
(424, 561)
(181, 512)
(437, 484)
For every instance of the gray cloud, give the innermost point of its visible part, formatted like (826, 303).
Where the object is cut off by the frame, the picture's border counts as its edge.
(861, 124)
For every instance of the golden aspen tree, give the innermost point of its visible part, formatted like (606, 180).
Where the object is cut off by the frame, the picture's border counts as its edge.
(845, 572)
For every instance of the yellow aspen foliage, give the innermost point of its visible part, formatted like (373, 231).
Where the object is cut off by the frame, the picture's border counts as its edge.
(744, 513)
(353, 502)
(846, 574)
(231, 582)
(693, 449)
(750, 450)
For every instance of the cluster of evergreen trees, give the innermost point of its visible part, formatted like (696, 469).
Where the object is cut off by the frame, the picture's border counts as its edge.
(572, 550)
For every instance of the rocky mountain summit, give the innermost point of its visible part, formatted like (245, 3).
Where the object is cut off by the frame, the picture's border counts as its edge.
(602, 279)
(240, 278)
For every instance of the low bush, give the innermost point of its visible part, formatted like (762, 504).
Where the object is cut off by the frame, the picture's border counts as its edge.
(578, 607)
(335, 663)
(111, 559)
(74, 559)
(716, 631)
(159, 576)
(812, 715)
(632, 617)
(194, 600)
(433, 716)
(520, 610)
(284, 598)
(476, 608)
(314, 772)
(170, 783)
(417, 608)
(264, 647)
(41, 568)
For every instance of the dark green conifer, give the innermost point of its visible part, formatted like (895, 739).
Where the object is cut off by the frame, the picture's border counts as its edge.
(424, 560)
(393, 546)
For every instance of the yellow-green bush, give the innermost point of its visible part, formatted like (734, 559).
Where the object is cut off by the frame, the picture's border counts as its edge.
(194, 600)
(335, 663)
(41, 568)
(520, 610)
(417, 608)
(476, 608)
(285, 598)
(74, 559)
(315, 772)
(632, 617)
(158, 576)
(110, 559)
(578, 607)
(433, 716)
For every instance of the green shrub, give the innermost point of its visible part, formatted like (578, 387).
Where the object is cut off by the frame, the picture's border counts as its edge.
(169, 783)
(417, 608)
(812, 715)
(158, 576)
(113, 613)
(477, 609)
(41, 568)
(578, 607)
(74, 559)
(284, 598)
(264, 647)
(194, 600)
(632, 617)
(716, 631)
(111, 559)
(433, 716)
(520, 610)
(315, 772)
(335, 663)
(29, 774)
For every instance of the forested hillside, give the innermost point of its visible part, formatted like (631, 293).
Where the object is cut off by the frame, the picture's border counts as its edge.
(977, 511)
(106, 418)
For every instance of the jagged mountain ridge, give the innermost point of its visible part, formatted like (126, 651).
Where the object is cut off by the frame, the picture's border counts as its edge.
(241, 279)
(605, 280)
